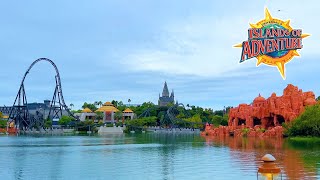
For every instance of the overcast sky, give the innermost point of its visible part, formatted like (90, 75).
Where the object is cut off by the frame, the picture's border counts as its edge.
(126, 49)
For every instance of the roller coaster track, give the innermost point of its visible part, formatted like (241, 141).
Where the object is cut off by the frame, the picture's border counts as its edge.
(5, 110)
(176, 121)
(19, 113)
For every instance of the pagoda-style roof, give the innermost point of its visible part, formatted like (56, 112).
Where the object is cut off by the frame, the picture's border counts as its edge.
(108, 104)
(107, 107)
(86, 110)
(128, 110)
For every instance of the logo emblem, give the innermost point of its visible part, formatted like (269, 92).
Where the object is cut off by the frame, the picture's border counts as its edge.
(273, 42)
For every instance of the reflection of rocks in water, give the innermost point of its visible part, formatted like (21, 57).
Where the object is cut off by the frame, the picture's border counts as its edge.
(247, 152)
(256, 131)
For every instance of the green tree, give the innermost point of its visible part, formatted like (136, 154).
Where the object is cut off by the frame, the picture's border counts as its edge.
(100, 103)
(114, 102)
(118, 115)
(225, 120)
(220, 120)
(120, 103)
(92, 107)
(307, 124)
(65, 120)
(3, 123)
(161, 115)
(318, 98)
(48, 123)
(1, 115)
(195, 121)
(71, 105)
(216, 120)
(99, 115)
(228, 109)
(143, 107)
(218, 112)
(85, 125)
(121, 106)
(88, 122)
(145, 121)
(170, 104)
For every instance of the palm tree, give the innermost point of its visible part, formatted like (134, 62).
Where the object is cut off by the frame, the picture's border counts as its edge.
(71, 105)
(129, 100)
(100, 103)
(95, 103)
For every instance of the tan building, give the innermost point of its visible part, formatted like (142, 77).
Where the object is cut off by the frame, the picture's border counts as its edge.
(86, 114)
(127, 114)
(108, 111)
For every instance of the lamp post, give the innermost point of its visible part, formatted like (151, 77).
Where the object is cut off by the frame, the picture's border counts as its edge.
(268, 170)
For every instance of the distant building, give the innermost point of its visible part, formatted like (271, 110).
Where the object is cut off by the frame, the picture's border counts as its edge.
(165, 99)
(43, 109)
(127, 114)
(85, 114)
(108, 111)
(37, 106)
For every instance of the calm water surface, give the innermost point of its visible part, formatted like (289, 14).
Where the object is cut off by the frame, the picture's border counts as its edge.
(151, 156)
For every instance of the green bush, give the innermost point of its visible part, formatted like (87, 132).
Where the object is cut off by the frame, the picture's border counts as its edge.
(99, 115)
(88, 122)
(109, 125)
(48, 123)
(195, 121)
(219, 120)
(65, 120)
(3, 123)
(85, 125)
(119, 124)
(307, 124)
(262, 130)
(100, 123)
(145, 121)
(245, 131)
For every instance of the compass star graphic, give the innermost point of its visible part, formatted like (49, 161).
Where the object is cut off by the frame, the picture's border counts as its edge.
(278, 58)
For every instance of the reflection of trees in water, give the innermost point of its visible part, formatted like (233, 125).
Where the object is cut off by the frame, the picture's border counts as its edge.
(309, 152)
(167, 156)
(19, 165)
(27, 154)
(296, 160)
(171, 144)
(169, 139)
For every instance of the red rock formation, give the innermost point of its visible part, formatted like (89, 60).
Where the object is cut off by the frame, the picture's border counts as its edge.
(263, 115)
(273, 111)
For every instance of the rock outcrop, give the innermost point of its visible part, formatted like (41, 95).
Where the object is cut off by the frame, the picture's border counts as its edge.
(264, 116)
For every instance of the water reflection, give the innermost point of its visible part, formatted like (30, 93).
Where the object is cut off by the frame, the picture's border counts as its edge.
(152, 156)
(298, 160)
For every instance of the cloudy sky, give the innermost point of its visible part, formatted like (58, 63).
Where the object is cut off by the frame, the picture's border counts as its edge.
(124, 49)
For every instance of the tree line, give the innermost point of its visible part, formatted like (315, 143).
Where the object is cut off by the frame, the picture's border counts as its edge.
(192, 116)
(307, 124)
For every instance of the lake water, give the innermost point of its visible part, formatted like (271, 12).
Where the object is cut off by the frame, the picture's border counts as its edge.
(151, 156)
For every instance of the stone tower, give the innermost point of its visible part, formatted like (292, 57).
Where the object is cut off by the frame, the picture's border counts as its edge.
(165, 99)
